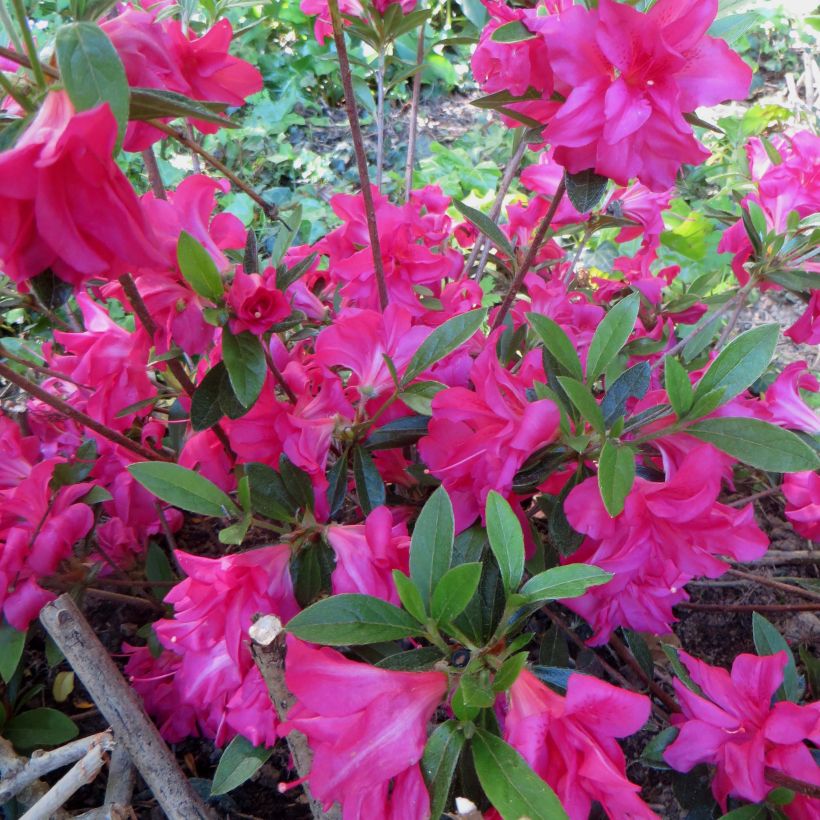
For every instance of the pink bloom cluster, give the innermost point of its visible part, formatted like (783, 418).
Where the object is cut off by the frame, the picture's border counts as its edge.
(732, 725)
(612, 84)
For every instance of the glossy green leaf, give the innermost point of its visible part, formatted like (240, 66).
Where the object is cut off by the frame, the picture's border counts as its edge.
(240, 761)
(205, 408)
(269, 496)
(431, 546)
(419, 396)
(199, 268)
(247, 369)
(586, 189)
(409, 595)
(12, 644)
(757, 443)
(616, 474)
(438, 764)
(509, 672)
(631, 384)
(183, 488)
(454, 591)
(678, 386)
(513, 32)
(401, 432)
(768, 641)
(506, 539)
(38, 728)
(558, 344)
(487, 227)
(611, 335)
(568, 581)
(369, 484)
(580, 395)
(351, 619)
(513, 788)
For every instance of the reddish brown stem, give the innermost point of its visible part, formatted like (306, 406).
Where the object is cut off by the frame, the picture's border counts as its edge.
(622, 651)
(751, 607)
(270, 210)
(529, 259)
(154, 176)
(21, 59)
(358, 148)
(43, 371)
(778, 778)
(279, 376)
(68, 411)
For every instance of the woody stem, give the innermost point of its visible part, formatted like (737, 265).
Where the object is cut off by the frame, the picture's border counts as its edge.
(31, 48)
(532, 252)
(414, 117)
(358, 148)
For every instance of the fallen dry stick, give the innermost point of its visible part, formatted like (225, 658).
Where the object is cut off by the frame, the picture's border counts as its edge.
(122, 708)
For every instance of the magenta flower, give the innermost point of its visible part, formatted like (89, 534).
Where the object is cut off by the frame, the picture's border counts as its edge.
(101, 232)
(668, 533)
(256, 303)
(215, 679)
(367, 554)
(570, 742)
(802, 491)
(18, 453)
(784, 403)
(807, 328)
(628, 78)
(367, 728)
(735, 727)
(478, 439)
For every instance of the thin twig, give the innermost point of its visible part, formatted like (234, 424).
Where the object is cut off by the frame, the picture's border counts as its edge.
(751, 607)
(730, 325)
(358, 149)
(270, 210)
(770, 582)
(189, 130)
(379, 118)
(279, 376)
(122, 708)
(44, 371)
(73, 413)
(532, 252)
(623, 652)
(412, 133)
(753, 497)
(28, 40)
(122, 777)
(778, 778)
(21, 59)
(776, 558)
(154, 176)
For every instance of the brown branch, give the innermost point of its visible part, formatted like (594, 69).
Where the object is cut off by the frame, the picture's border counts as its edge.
(44, 371)
(623, 652)
(778, 778)
(73, 413)
(750, 607)
(279, 376)
(270, 210)
(358, 148)
(414, 117)
(122, 708)
(779, 585)
(154, 176)
(529, 259)
(21, 59)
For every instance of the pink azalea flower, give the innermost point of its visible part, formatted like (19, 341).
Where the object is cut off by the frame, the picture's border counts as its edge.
(360, 339)
(807, 328)
(215, 678)
(102, 232)
(570, 742)
(735, 727)
(628, 78)
(256, 303)
(38, 528)
(785, 404)
(478, 439)
(668, 533)
(640, 204)
(802, 491)
(18, 453)
(367, 554)
(110, 362)
(158, 54)
(367, 728)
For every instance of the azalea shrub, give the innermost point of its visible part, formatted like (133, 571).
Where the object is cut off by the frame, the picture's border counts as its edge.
(420, 438)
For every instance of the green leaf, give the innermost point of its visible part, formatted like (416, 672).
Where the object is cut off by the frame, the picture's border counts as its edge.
(616, 474)
(415, 660)
(92, 72)
(514, 32)
(311, 570)
(239, 762)
(438, 764)
(12, 644)
(158, 568)
(419, 396)
(585, 189)
(558, 343)
(443, 341)
(652, 754)
(750, 812)
(740, 363)
(409, 595)
(337, 485)
(150, 103)
(245, 359)
(235, 533)
(631, 384)
(487, 227)
(678, 386)
(506, 540)
(269, 497)
(581, 396)
(513, 788)
(757, 443)
(454, 591)
(297, 483)
(799, 280)
(351, 619)
(611, 335)
(509, 672)
(569, 581)
(680, 670)
(38, 728)
(768, 641)
(476, 690)
(401, 432)
(205, 408)
(199, 268)
(705, 405)
(431, 547)
(183, 488)
(369, 484)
